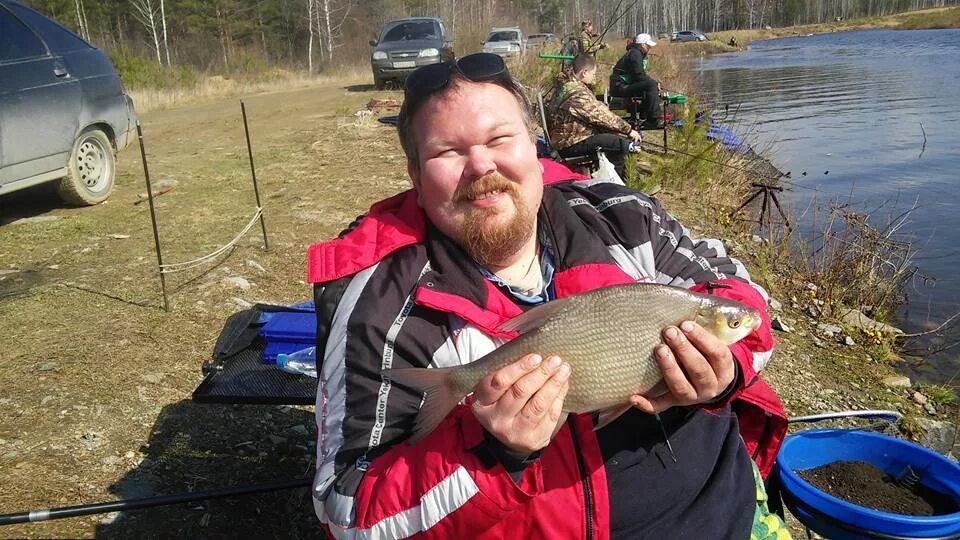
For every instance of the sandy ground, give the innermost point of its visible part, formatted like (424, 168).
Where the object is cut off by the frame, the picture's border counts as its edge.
(97, 377)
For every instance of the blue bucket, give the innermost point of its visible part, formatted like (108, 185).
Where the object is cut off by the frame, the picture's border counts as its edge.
(837, 519)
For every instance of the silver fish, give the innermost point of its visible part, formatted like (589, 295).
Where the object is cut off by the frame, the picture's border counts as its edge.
(607, 335)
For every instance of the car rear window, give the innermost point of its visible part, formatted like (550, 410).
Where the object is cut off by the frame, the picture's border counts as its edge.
(504, 36)
(407, 31)
(58, 38)
(17, 42)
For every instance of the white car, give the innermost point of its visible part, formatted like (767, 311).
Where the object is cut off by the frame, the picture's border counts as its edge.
(506, 41)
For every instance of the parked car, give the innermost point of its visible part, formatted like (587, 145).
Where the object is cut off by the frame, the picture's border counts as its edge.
(406, 44)
(505, 41)
(63, 111)
(539, 40)
(688, 35)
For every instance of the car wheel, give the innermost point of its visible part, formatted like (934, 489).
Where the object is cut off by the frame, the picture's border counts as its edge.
(379, 84)
(91, 170)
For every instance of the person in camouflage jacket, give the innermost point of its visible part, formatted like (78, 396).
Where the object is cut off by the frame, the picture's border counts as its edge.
(578, 123)
(587, 41)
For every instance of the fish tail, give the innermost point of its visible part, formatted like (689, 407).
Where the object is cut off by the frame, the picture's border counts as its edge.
(440, 395)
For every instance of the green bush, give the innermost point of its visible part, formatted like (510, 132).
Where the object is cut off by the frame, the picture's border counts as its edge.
(142, 72)
(693, 165)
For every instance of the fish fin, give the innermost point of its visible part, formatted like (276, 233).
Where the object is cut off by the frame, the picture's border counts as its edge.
(439, 395)
(608, 415)
(535, 317)
(657, 390)
(560, 423)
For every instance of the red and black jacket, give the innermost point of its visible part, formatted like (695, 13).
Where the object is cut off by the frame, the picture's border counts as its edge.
(394, 292)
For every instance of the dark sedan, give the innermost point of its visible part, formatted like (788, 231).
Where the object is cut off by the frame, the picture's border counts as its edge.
(63, 110)
(405, 45)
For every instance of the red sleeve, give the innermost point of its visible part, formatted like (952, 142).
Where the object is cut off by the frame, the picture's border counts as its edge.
(439, 487)
(753, 351)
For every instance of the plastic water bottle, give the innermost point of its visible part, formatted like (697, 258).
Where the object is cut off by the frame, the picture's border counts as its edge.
(302, 362)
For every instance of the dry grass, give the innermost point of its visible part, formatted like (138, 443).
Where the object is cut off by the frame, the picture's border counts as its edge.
(214, 87)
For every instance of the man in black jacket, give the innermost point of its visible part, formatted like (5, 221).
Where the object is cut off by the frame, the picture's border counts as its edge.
(630, 80)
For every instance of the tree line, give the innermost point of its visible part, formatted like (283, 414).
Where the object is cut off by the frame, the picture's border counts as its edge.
(238, 35)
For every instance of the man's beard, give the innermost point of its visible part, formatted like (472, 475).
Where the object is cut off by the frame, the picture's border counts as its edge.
(487, 242)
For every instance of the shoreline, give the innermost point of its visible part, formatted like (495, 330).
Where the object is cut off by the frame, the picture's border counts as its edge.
(822, 362)
(925, 19)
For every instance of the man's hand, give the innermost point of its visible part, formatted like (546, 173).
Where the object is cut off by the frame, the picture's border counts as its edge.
(520, 404)
(634, 135)
(696, 367)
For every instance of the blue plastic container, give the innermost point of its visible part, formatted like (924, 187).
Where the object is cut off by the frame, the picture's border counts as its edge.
(288, 331)
(837, 519)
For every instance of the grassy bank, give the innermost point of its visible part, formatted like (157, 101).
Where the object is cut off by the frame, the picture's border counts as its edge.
(914, 20)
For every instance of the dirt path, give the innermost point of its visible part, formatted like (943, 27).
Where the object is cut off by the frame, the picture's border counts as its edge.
(97, 379)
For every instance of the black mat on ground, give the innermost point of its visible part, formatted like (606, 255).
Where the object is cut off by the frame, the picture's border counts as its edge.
(244, 378)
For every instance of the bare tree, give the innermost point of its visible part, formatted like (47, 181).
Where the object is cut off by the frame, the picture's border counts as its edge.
(145, 11)
(81, 20)
(310, 19)
(332, 32)
(163, 21)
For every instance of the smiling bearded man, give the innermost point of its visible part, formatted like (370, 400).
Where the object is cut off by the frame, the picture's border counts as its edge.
(429, 277)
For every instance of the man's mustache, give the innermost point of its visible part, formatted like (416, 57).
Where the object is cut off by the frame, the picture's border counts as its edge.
(485, 184)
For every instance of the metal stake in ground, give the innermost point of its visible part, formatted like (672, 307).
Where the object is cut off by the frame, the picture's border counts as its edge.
(153, 219)
(45, 514)
(253, 173)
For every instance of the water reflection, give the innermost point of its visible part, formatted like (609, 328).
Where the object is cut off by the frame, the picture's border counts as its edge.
(859, 105)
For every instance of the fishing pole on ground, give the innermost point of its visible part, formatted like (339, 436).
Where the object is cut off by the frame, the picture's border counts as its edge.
(44, 514)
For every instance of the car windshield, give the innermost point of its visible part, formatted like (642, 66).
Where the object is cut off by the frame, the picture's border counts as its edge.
(504, 36)
(410, 30)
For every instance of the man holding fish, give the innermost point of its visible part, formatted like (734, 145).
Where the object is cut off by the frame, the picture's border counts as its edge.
(507, 354)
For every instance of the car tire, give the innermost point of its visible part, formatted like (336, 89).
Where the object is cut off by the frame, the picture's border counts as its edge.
(90, 171)
(379, 84)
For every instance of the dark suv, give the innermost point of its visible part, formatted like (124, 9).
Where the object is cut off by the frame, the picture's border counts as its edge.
(405, 45)
(63, 109)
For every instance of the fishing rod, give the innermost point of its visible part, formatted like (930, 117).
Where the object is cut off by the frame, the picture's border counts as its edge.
(45, 514)
(617, 18)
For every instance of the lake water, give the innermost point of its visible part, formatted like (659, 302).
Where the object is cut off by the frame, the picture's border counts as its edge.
(847, 110)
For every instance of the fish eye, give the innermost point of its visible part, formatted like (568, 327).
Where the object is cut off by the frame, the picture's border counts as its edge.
(735, 323)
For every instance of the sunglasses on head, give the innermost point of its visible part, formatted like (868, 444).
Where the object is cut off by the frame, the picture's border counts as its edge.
(427, 80)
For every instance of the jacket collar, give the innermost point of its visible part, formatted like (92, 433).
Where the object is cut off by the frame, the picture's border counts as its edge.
(389, 225)
(454, 284)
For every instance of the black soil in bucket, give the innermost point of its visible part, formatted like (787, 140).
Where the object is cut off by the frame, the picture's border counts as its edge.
(861, 483)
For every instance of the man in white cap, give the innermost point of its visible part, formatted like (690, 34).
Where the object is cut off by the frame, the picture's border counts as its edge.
(630, 80)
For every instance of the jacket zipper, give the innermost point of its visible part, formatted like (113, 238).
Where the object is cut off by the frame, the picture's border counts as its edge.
(584, 480)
